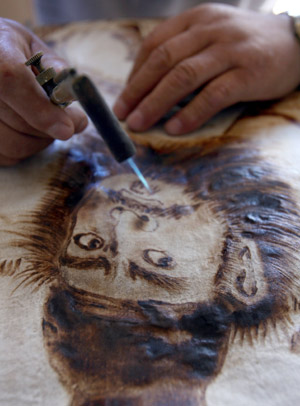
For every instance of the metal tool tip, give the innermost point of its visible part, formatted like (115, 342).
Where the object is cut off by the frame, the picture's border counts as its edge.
(139, 174)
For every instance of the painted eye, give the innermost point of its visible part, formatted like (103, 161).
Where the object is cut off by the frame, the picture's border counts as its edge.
(88, 241)
(159, 259)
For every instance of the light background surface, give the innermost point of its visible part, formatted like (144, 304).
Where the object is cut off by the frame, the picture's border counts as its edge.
(23, 10)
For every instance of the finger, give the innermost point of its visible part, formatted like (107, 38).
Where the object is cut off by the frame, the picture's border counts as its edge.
(16, 146)
(162, 33)
(20, 90)
(31, 44)
(185, 78)
(222, 92)
(160, 61)
(78, 117)
(17, 123)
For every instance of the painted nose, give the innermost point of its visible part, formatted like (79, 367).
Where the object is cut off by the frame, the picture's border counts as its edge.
(133, 221)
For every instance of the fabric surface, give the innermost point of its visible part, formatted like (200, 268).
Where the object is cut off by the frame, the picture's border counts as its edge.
(188, 295)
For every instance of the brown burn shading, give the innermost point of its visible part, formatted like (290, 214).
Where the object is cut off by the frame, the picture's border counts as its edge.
(124, 353)
(113, 356)
(169, 283)
(45, 229)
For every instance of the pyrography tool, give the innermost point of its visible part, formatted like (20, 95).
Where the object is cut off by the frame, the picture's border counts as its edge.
(66, 86)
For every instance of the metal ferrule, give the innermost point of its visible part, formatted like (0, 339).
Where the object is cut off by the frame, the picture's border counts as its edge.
(62, 93)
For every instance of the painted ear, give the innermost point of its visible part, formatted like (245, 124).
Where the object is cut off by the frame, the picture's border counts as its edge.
(249, 284)
(245, 282)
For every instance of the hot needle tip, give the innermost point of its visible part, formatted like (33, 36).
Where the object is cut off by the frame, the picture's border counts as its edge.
(138, 174)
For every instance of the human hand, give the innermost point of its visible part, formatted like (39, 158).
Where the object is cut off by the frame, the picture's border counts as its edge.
(29, 122)
(232, 55)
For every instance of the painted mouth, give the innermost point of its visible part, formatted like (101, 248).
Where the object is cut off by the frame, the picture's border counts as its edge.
(86, 263)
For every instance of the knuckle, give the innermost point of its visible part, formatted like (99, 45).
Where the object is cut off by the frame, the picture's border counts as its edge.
(206, 8)
(217, 19)
(149, 43)
(8, 74)
(217, 95)
(209, 12)
(222, 92)
(259, 59)
(185, 74)
(161, 57)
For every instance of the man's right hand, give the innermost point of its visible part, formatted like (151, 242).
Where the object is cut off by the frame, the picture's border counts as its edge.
(29, 122)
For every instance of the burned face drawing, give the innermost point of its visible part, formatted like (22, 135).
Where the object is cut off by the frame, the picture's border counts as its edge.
(131, 243)
(147, 289)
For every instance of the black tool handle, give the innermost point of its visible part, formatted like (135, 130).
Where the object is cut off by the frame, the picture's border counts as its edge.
(103, 118)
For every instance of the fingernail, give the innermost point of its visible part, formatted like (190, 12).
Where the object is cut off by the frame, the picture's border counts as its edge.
(174, 126)
(60, 131)
(136, 121)
(120, 109)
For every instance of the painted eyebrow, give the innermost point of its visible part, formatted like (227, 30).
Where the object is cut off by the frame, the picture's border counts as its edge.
(172, 284)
